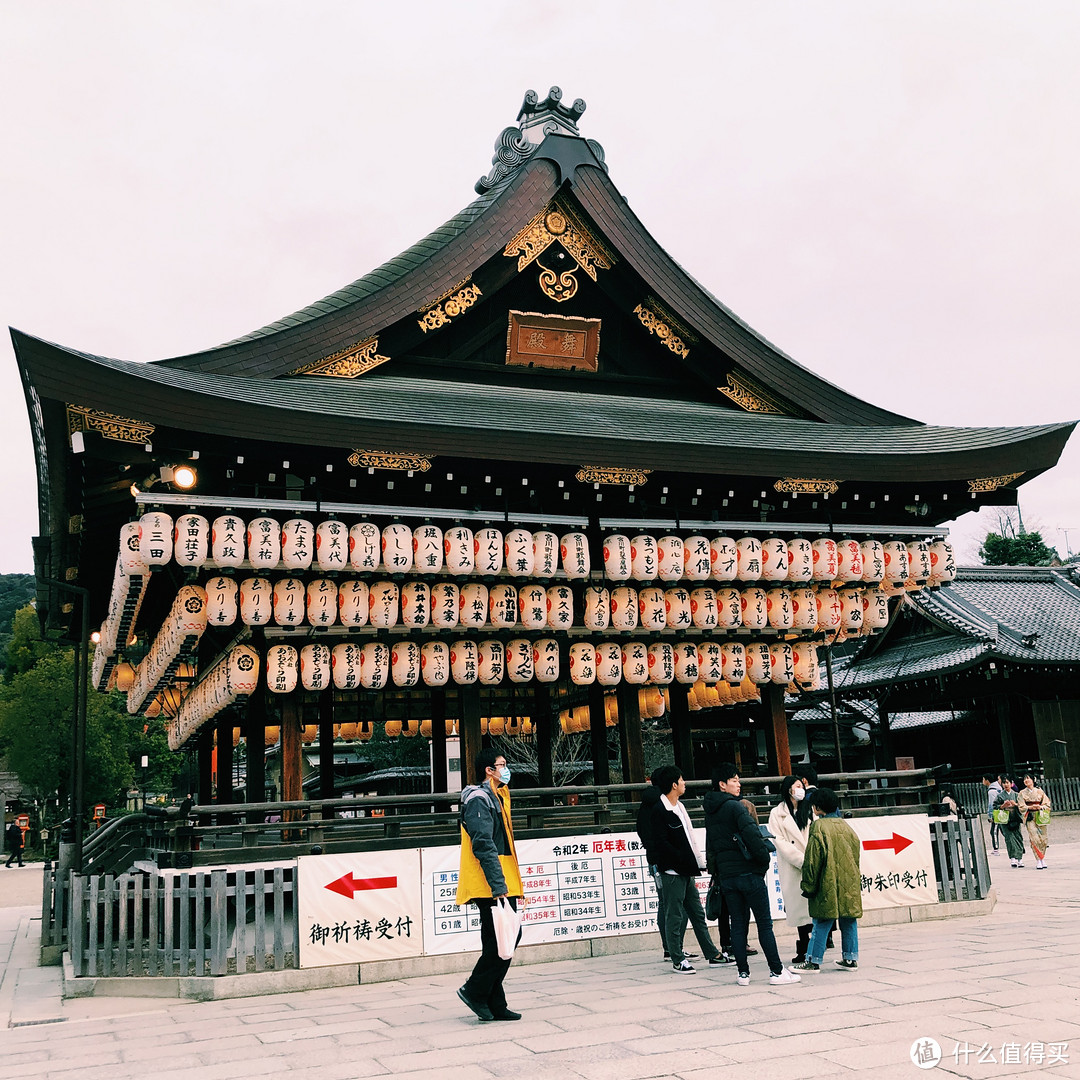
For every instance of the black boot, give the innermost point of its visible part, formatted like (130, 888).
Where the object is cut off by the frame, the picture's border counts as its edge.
(804, 941)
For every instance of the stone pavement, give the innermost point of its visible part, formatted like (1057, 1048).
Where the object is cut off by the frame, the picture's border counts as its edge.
(1006, 981)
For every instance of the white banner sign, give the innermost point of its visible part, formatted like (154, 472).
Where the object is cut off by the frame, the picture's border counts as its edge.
(896, 860)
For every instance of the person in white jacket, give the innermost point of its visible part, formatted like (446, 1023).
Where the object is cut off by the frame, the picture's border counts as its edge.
(789, 822)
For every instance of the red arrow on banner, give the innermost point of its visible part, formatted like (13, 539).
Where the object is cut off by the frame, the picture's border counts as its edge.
(347, 885)
(897, 843)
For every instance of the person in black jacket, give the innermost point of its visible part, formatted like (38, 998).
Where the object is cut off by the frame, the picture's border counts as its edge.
(729, 830)
(645, 834)
(680, 861)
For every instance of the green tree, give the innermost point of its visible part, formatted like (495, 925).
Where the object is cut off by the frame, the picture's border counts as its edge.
(1023, 549)
(16, 590)
(26, 645)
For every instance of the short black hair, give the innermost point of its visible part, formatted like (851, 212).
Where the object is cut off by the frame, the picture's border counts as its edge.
(724, 772)
(666, 777)
(807, 772)
(654, 776)
(485, 760)
(989, 776)
(825, 800)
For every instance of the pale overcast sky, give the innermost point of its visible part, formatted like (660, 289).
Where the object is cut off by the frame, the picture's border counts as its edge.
(885, 191)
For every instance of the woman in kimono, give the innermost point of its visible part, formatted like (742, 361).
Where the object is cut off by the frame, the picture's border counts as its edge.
(1030, 800)
(1011, 829)
(789, 822)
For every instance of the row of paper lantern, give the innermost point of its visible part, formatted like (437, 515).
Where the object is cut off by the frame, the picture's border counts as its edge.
(297, 544)
(182, 628)
(289, 602)
(513, 726)
(232, 679)
(125, 602)
(375, 665)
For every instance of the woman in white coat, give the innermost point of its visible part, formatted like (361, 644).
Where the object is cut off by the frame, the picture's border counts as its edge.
(789, 822)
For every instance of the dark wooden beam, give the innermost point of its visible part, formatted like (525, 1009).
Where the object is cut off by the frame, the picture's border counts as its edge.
(438, 740)
(598, 735)
(682, 745)
(255, 742)
(630, 746)
(776, 730)
(224, 757)
(544, 722)
(469, 731)
(291, 725)
(206, 765)
(326, 747)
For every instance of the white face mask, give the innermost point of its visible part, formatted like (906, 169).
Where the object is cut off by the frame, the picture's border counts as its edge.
(798, 794)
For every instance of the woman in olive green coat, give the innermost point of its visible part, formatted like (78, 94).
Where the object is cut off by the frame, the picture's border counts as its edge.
(832, 883)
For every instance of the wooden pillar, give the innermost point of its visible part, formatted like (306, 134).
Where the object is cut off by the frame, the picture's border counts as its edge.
(630, 747)
(1004, 719)
(598, 735)
(326, 747)
(887, 760)
(224, 757)
(682, 745)
(469, 731)
(254, 738)
(776, 729)
(438, 741)
(206, 765)
(291, 725)
(544, 733)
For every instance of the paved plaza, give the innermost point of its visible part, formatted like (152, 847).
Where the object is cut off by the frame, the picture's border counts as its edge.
(1001, 986)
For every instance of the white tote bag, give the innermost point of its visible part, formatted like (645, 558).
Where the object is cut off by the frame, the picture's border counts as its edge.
(507, 926)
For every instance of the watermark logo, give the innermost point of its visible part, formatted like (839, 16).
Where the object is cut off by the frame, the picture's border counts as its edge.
(925, 1053)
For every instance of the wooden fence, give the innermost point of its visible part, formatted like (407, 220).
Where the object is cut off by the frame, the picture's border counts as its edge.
(1064, 794)
(960, 863)
(216, 922)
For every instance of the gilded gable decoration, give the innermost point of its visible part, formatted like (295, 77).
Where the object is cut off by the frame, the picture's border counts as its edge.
(753, 397)
(348, 363)
(398, 461)
(449, 306)
(665, 326)
(610, 474)
(108, 425)
(558, 222)
(992, 483)
(797, 485)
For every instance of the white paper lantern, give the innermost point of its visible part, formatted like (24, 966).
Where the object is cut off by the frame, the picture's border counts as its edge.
(851, 609)
(435, 660)
(749, 555)
(492, 662)
(873, 558)
(830, 611)
(345, 662)
(724, 558)
(560, 607)
(503, 605)
(546, 660)
(458, 549)
(374, 665)
(289, 602)
(488, 551)
(256, 601)
(427, 545)
(652, 609)
(243, 667)
(677, 612)
(643, 557)
(353, 601)
(415, 604)
(464, 662)
(704, 607)
(545, 553)
(781, 663)
(263, 538)
(405, 663)
(596, 611)
(779, 608)
(826, 563)
(728, 608)
(774, 559)
(697, 558)
(617, 557)
(919, 562)
(942, 563)
(574, 552)
(445, 604)
(532, 606)
(661, 663)
(582, 663)
(473, 605)
(365, 543)
(156, 539)
(710, 661)
(609, 663)
(396, 545)
(131, 558)
(758, 662)
(896, 562)
(297, 544)
(322, 598)
(849, 560)
(383, 604)
(332, 545)
(875, 609)
(317, 666)
(804, 660)
(221, 595)
(635, 662)
(686, 662)
(519, 659)
(518, 553)
(800, 560)
(804, 609)
(227, 537)
(624, 608)
(755, 608)
(670, 555)
(191, 540)
(733, 662)
(282, 665)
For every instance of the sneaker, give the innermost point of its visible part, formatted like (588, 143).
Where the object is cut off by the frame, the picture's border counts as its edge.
(847, 965)
(995, 852)
(692, 956)
(685, 968)
(478, 1007)
(784, 976)
(743, 978)
(806, 965)
(1040, 865)
(723, 958)
(1020, 863)
(1013, 862)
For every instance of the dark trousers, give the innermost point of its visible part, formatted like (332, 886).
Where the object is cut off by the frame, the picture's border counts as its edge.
(746, 893)
(485, 984)
(16, 853)
(682, 903)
